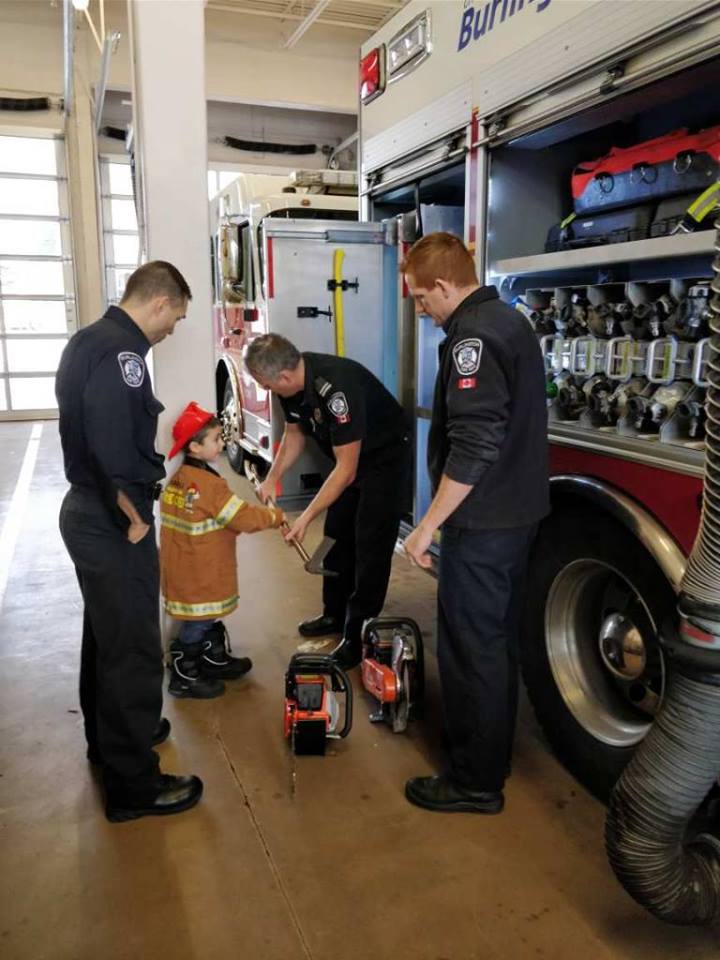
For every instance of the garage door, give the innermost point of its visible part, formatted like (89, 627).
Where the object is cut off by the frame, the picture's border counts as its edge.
(37, 307)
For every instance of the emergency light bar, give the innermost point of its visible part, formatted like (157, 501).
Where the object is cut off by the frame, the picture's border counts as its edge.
(372, 74)
(409, 47)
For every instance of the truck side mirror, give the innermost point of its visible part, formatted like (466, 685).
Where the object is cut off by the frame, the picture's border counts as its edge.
(231, 265)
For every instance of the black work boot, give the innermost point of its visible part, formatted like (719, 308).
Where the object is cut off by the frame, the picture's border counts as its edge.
(170, 795)
(348, 653)
(216, 659)
(187, 678)
(440, 794)
(319, 626)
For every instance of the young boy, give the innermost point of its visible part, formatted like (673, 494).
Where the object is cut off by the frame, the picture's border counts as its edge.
(200, 519)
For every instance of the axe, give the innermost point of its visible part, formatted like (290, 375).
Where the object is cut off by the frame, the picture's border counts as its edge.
(313, 564)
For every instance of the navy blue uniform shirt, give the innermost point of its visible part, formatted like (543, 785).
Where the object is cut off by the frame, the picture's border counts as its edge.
(489, 416)
(344, 402)
(108, 414)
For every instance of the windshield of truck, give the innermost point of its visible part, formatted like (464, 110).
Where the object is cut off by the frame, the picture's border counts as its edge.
(299, 213)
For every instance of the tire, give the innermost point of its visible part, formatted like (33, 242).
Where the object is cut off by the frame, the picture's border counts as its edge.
(232, 422)
(591, 659)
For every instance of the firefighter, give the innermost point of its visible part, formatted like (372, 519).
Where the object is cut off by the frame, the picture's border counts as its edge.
(358, 424)
(108, 420)
(488, 464)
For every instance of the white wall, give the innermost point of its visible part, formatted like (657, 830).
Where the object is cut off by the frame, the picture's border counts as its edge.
(253, 123)
(31, 60)
(245, 62)
(31, 47)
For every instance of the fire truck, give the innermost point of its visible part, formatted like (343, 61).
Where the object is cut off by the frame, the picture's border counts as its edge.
(482, 118)
(289, 257)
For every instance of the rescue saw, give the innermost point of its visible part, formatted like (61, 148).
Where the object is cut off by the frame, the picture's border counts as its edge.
(312, 706)
(312, 564)
(393, 669)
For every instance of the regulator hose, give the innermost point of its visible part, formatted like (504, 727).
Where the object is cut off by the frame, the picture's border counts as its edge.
(666, 867)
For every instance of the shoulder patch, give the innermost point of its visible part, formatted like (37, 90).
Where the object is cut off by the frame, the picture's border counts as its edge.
(338, 407)
(132, 367)
(467, 354)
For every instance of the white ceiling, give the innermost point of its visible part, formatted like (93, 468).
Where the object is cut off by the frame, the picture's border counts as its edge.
(364, 16)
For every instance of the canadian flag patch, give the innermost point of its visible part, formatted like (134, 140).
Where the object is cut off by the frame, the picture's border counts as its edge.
(467, 383)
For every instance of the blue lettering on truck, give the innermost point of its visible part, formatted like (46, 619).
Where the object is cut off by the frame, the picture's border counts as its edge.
(478, 21)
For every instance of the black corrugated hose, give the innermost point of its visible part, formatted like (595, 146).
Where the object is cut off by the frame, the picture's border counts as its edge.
(24, 103)
(652, 844)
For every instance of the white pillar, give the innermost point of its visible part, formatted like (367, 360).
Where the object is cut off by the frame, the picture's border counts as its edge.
(170, 127)
(82, 162)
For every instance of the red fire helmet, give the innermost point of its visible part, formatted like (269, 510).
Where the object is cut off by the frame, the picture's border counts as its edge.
(191, 421)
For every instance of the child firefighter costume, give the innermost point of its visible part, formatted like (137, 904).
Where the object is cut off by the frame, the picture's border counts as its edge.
(200, 520)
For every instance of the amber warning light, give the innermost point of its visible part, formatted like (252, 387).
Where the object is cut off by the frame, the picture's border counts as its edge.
(372, 74)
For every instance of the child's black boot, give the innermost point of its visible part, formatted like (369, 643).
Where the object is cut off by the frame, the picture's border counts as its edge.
(187, 675)
(217, 661)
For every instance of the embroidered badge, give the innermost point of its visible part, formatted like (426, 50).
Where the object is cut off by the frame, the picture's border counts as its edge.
(173, 496)
(466, 355)
(132, 367)
(338, 407)
(467, 383)
(191, 495)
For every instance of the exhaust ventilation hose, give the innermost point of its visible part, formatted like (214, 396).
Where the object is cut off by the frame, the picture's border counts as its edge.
(24, 103)
(262, 146)
(114, 133)
(656, 853)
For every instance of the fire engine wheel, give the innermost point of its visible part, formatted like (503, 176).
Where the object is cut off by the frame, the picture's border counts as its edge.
(232, 420)
(591, 659)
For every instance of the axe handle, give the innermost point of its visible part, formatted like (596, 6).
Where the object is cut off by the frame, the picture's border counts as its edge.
(284, 526)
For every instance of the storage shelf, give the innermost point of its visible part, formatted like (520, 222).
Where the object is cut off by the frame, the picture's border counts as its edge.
(658, 248)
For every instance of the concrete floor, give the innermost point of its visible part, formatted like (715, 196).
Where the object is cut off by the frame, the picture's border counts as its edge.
(343, 867)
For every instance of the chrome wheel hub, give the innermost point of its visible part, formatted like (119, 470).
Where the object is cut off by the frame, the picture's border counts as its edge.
(622, 647)
(231, 424)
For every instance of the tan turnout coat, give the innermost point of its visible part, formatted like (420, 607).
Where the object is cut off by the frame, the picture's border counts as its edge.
(200, 518)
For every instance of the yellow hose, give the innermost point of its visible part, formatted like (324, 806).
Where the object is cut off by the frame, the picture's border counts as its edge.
(338, 258)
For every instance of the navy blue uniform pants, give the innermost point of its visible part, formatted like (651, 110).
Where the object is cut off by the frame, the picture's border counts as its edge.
(365, 521)
(121, 669)
(480, 593)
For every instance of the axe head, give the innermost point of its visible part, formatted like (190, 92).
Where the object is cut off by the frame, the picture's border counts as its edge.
(251, 474)
(314, 564)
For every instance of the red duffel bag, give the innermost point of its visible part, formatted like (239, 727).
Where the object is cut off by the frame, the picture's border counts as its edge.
(678, 162)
